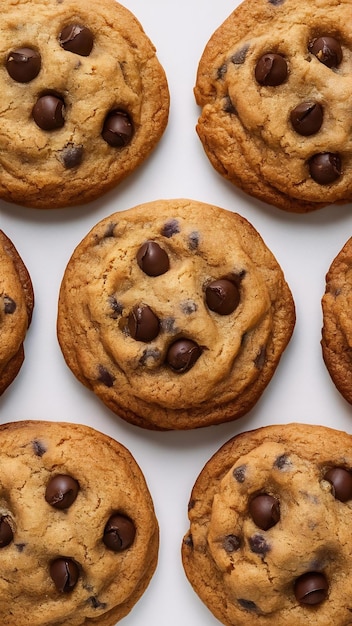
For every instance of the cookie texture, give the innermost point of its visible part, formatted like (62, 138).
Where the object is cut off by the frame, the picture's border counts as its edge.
(175, 314)
(78, 540)
(337, 321)
(273, 84)
(84, 100)
(16, 308)
(269, 528)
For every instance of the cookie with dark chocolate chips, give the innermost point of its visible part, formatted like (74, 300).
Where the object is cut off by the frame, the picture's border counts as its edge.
(16, 307)
(337, 321)
(272, 84)
(268, 541)
(175, 314)
(78, 543)
(84, 100)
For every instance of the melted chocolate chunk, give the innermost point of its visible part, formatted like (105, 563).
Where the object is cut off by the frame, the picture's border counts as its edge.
(231, 543)
(152, 259)
(150, 356)
(271, 70)
(325, 167)
(38, 448)
(307, 118)
(105, 377)
(143, 324)
(282, 462)
(188, 307)
(182, 355)
(193, 239)
(171, 228)
(10, 305)
(221, 71)
(96, 604)
(76, 38)
(118, 129)
(119, 533)
(222, 296)
(239, 473)
(168, 325)
(116, 307)
(61, 491)
(20, 547)
(240, 55)
(327, 50)
(71, 155)
(65, 573)
(258, 545)
(228, 106)
(48, 112)
(276, 3)
(341, 482)
(188, 541)
(23, 64)
(265, 511)
(311, 588)
(249, 605)
(6, 533)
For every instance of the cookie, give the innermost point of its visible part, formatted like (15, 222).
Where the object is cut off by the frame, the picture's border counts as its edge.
(337, 321)
(84, 100)
(16, 308)
(273, 84)
(270, 528)
(175, 314)
(78, 540)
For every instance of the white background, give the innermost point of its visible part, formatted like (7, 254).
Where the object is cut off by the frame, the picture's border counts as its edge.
(304, 245)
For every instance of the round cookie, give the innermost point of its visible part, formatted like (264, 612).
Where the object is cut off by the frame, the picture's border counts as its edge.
(78, 541)
(84, 100)
(175, 314)
(269, 537)
(273, 84)
(16, 307)
(337, 321)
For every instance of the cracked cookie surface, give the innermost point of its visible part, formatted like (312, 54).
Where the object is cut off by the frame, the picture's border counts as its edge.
(269, 528)
(78, 542)
(337, 321)
(273, 84)
(175, 314)
(84, 100)
(16, 307)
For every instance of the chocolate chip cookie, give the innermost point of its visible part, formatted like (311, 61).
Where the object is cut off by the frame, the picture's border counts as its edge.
(84, 100)
(175, 314)
(337, 321)
(78, 540)
(269, 528)
(16, 308)
(273, 85)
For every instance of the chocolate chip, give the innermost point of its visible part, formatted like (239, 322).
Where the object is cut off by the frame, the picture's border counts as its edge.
(249, 605)
(325, 167)
(221, 72)
(282, 462)
(71, 155)
(10, 305)
(116, 307)
(222, 296)
(172, 227)
(96, 604)
(117, 129)
(240, 55)
(119, 533)
(23, 64)
(259, 545)
(65, 573)
(307, 118)
(105, 377)
(143, 324)
(182, 355)
(38, 448)
(231, 543)
(193, 239)
(76, 38)
(152, 259)
(228, 106)
(271, 70)
(61, 491)
(6, 533)
(265, 511)
(341, 481)
(20, 547)
(48, 112)
(239, 473)
(327, 50)
(311, 588)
